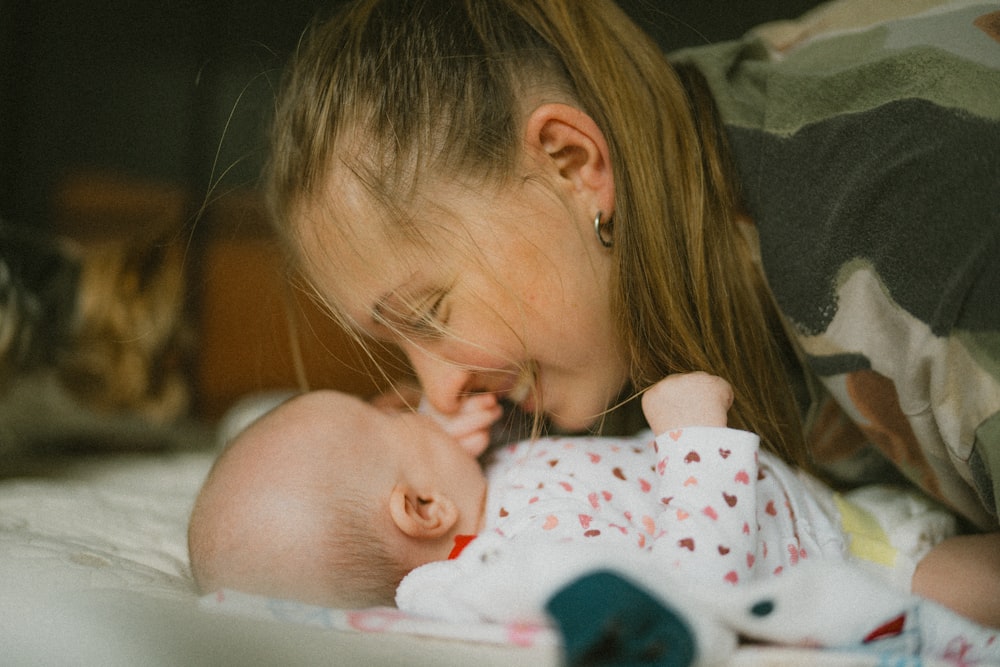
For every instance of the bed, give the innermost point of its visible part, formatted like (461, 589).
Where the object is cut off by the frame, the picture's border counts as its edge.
(94, 571)
(93, 557)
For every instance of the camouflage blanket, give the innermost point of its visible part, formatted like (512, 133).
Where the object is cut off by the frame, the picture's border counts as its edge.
(869, 156)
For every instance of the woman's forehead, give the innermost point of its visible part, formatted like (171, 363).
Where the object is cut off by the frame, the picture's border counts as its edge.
(358, 255)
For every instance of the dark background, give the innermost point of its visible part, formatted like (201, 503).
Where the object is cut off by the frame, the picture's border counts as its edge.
(177, 91)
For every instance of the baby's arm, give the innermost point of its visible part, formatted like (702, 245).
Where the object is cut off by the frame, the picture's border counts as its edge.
(707, 478)
(687, 399)
(471, 424)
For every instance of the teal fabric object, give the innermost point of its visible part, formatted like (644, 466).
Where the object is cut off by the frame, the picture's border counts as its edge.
(605, 619)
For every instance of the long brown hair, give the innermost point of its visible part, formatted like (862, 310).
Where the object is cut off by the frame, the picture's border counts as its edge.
(437, 86)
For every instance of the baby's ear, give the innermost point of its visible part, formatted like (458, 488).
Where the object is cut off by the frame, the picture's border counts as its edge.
(419, 515)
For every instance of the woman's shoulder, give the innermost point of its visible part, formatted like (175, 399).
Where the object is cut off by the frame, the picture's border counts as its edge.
(906, 191)
(878, 151)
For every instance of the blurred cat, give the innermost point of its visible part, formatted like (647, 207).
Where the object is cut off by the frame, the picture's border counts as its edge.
(94, 341)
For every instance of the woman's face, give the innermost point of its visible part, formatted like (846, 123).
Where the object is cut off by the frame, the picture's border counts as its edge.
(507, 293)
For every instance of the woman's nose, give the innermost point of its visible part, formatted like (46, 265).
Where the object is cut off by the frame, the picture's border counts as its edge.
(443, 382)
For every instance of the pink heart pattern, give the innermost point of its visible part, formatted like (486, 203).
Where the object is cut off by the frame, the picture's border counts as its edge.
(729, 505)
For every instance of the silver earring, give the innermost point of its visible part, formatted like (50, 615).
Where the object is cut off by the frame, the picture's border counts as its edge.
(600, 227)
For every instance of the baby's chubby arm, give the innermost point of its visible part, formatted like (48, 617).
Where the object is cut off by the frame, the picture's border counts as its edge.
(471, 423)
(687, 399)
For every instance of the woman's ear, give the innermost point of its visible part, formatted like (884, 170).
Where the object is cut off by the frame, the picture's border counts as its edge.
(570, 142)
(421, 515)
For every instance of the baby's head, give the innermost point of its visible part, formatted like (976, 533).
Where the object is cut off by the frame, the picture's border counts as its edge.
(329, 500)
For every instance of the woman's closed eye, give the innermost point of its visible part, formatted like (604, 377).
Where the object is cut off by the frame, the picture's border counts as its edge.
(431, 319)
(423, 318)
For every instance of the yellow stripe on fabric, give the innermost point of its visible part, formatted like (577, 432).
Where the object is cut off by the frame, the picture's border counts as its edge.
(866, 538)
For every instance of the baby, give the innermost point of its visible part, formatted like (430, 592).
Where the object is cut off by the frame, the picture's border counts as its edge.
(330, 500)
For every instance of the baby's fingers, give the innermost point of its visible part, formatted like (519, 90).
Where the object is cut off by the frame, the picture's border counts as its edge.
(471, 425)
(477, 412)
(475, 443)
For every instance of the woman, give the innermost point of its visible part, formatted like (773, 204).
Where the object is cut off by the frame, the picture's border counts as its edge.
(532, 202)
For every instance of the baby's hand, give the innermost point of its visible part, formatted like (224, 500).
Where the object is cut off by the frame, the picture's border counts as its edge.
(687, 399)
(471, 424)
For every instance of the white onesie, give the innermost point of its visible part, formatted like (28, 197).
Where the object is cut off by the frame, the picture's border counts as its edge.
(703, 502)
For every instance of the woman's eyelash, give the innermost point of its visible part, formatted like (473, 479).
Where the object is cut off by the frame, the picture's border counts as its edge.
(430, 319)
(420, 318)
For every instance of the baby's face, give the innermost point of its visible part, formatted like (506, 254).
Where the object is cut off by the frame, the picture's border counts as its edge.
(277, 506)
(370, 460)
(356, 455)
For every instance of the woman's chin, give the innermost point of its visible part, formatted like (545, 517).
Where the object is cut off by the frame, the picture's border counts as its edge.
(569, 423)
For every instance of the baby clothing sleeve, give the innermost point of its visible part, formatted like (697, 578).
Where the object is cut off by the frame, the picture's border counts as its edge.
(731, 513)
(707, 484)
